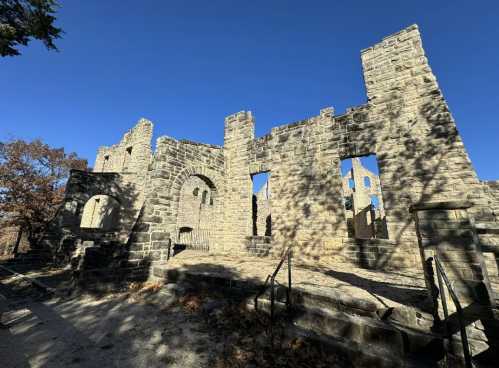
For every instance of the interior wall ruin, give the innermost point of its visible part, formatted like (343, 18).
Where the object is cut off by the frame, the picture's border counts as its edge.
(405, 122)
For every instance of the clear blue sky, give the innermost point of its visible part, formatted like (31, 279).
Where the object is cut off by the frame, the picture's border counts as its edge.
(187, 64)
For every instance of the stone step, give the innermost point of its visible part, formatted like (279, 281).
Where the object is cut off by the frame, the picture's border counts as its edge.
(372, 334)
(310, 297)
(332, 300)
(335, 315)
(361, 355)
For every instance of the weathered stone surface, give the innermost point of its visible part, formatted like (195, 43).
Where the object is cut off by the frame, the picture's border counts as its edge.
(200, 195)
(159, 235)
(138, 208)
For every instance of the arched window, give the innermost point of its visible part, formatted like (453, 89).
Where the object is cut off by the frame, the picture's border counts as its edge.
(195, 192)
(204, 197)
(367, 182)
(100, 212)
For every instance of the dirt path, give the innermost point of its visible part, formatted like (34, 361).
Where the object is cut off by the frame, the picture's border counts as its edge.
(117, 330)
(143, 326)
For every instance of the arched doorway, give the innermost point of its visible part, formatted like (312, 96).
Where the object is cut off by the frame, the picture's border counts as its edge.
(100, 212)
(196, 218)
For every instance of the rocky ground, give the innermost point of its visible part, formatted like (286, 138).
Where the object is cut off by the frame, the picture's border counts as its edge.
(144, 325)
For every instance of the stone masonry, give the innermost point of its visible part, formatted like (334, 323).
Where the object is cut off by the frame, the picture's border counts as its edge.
(185, 190)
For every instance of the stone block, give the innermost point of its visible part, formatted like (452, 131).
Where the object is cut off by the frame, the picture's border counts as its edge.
(157, 235)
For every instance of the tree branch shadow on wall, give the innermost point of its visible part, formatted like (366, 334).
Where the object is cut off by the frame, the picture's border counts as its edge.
(445, 134)
(419, 165)
(425, 161)
(114, 261)
(97, 257)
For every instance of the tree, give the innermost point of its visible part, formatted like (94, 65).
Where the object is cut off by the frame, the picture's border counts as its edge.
(32, 182)
(22, 20)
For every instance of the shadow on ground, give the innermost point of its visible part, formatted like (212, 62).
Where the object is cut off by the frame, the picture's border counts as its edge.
(150, 325)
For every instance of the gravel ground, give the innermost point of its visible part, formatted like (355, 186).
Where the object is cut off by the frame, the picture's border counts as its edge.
(143, 326)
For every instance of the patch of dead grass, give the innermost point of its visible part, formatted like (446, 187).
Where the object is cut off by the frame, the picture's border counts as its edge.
(191, 303)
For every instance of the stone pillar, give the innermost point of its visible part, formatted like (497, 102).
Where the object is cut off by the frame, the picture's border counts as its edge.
(239, 133)
(446, 230)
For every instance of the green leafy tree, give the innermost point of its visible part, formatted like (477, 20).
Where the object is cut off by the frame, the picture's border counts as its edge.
(32, 182)
(23, 20)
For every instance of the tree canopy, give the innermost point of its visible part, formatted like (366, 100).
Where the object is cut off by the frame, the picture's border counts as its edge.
(22, 20)
(32, 181)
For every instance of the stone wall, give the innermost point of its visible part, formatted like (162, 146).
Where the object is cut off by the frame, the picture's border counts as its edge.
(492, 189)
(306, 205)
(175, 163)
(447, 234)
(131, 154)
(82, 188)
(403, 94)
(238, 135)
(488, 232)
(405, 122)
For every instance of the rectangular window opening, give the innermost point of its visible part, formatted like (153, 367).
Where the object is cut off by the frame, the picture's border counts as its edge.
(105, 163)
(260, 205)
(362, 198)
(127, 157)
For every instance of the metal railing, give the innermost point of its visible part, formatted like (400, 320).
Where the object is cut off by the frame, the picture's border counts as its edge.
(271, 282)
(194, 239)
(442, 279)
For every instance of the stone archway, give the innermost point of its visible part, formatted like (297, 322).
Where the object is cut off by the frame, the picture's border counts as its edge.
(197, 214)
(100, 212)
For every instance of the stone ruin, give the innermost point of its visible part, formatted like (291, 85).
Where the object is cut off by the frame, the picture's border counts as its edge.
(365, 215)
(137, 204)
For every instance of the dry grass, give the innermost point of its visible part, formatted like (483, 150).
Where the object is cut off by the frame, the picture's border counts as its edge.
(144, 287)
(191, 303)
(247, 343)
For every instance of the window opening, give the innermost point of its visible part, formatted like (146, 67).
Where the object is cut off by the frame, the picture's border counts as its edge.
(127, 158)
(261, 213)
(362, 193)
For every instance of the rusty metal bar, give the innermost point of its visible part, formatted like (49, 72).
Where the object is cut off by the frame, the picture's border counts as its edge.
(262, 290)
(272, 280)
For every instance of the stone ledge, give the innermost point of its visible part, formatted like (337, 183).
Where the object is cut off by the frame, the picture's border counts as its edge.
(31, 280)
(374, 241)
(491, 226)
(448, 205)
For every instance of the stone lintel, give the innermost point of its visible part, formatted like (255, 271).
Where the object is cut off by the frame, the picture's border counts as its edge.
(446, 205)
